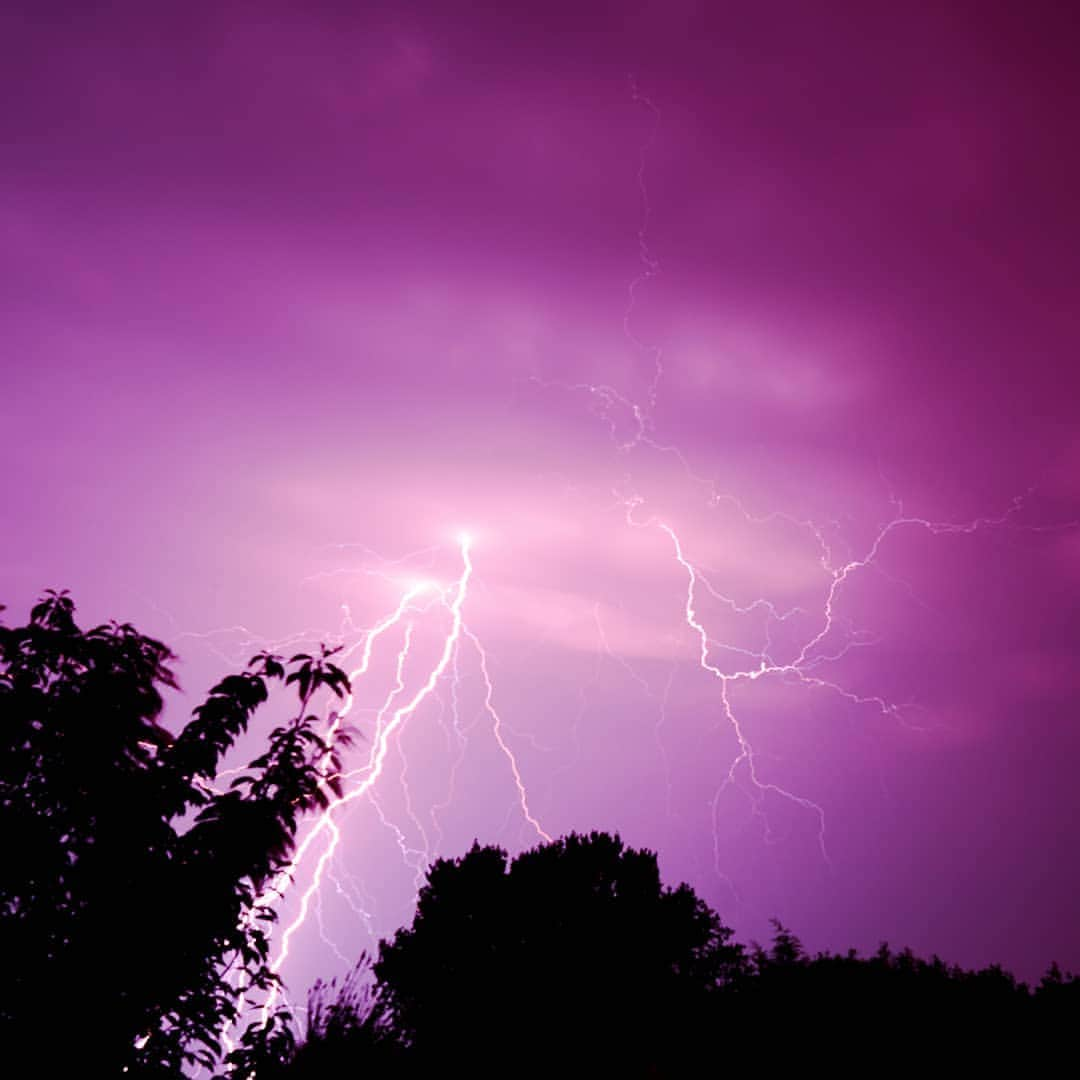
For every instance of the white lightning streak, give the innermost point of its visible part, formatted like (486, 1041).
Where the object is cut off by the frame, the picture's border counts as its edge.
(496, 729)
(325, 823)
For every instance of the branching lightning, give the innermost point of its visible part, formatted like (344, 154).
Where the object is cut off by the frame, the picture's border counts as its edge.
(438, 676)
(389, 722)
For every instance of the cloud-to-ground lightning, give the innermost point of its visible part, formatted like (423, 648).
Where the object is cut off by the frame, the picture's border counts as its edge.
(385, 729)
(389, 721)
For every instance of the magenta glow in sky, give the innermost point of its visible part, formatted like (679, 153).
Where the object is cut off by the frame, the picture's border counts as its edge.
(294, 294)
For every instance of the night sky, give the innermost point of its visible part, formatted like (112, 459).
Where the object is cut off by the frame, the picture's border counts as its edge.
(295, 294)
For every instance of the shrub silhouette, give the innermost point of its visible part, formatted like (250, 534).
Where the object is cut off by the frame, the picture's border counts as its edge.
(346, 1028)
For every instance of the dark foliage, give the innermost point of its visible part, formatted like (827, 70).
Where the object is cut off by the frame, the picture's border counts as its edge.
(575, 960)
(347, 1027)
(575, 951)
(912, 1005)
(575, 938)
(130, 888)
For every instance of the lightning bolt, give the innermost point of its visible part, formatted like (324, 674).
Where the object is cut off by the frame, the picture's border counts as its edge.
(390, 721)
(385, 729)
(496, 728)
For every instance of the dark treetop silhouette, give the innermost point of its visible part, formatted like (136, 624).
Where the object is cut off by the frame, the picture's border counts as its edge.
(575, 937)
(573, 953)
(130, 884)
(575, 960)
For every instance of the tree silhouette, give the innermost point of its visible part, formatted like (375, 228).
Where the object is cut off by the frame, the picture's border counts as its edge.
(131, 885)
(574, 948)
(844, 1009)
(574, 960)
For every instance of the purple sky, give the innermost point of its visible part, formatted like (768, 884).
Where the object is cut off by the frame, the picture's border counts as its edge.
(292, 294)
